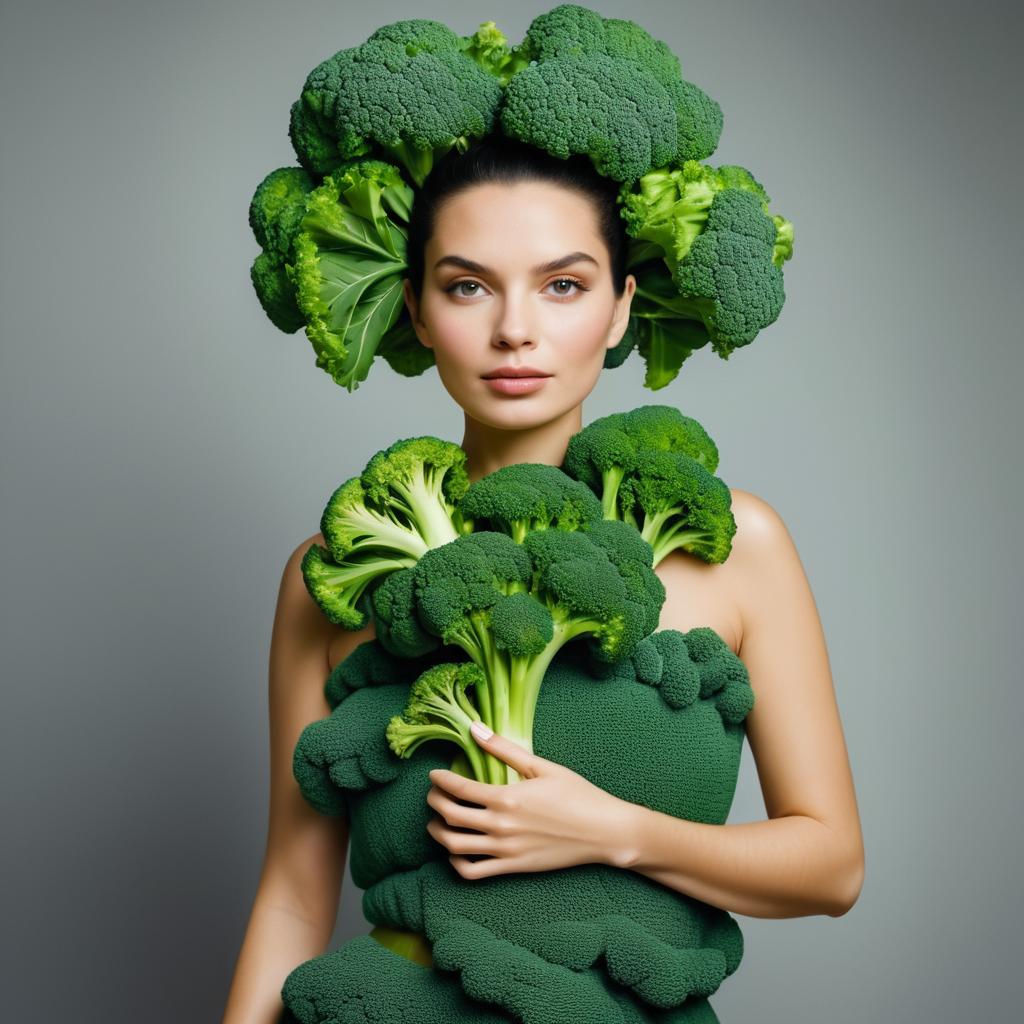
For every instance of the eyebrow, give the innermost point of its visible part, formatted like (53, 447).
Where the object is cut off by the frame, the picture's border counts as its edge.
(543, 268)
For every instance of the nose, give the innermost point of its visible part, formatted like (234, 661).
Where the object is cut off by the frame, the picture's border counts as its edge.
(513, 329)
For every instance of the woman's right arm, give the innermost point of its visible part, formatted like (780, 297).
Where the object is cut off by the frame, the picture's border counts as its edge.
(296, 902)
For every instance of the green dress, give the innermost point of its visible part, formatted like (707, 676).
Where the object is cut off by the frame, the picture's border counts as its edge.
(663, 728)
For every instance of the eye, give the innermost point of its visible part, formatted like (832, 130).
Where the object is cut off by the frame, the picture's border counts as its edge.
(570, 280)
(451, 289)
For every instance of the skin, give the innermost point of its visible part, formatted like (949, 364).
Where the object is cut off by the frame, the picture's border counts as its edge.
(806, 858)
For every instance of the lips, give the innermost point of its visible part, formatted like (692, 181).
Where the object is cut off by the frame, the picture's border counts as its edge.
(515, 371)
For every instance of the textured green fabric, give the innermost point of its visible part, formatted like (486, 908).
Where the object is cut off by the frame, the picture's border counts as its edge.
(663, 728)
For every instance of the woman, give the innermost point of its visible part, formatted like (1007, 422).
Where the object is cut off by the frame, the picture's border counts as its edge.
(517, 283)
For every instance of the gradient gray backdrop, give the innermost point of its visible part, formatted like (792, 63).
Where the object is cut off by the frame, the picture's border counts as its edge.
(165, 448)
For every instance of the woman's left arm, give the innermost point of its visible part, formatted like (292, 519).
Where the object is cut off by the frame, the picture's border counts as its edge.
(808, 857)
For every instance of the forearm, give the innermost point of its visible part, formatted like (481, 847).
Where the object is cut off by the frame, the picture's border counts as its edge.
(784, 867)
(277, 940)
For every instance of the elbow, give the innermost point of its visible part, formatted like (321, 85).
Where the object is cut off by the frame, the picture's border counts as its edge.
(849, 883)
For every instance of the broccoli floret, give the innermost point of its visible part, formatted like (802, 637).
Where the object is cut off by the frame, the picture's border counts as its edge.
(396, 621)
(400, 506)
(419, 482)
(511, 607)
(712, 229)
(634, 558)
(676, 503)
(275, 213)
(439, 709)
(605, 450)
(528, 496)
(588, 78)
(340, 589)
(412, 92)
(654, 468)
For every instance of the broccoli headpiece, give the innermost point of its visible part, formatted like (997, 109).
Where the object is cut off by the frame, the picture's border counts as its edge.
(372, 119)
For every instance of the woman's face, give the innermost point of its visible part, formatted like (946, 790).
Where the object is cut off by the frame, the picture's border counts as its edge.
(493, 301)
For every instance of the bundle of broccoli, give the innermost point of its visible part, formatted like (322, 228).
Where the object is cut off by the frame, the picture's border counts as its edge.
(506, 571)
(526, 599)
(372, 120)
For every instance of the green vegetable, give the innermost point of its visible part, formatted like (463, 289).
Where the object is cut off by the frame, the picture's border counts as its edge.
(528, 496)
(511, 607)
(409, 94)
(605, 88)
(275, 212)
(712, 230)
(402, 504)
(653, 468)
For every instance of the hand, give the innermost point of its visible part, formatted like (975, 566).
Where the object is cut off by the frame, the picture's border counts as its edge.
(551, 818)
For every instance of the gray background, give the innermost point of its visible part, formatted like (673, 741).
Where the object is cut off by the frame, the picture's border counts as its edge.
(165, 448)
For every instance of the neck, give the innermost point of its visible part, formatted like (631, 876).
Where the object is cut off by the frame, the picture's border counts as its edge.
(489, 448)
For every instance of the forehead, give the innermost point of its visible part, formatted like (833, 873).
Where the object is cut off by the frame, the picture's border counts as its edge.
(535, 216)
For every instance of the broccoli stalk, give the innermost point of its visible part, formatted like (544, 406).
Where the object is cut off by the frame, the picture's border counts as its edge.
(511, 606)
(439, 709)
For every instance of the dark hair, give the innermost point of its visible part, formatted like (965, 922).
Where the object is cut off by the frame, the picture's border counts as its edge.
(497, 158)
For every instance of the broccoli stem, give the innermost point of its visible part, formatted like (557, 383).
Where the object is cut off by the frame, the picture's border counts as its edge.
(677, 537)
(427, 508)
(610, 481)
(384, 532)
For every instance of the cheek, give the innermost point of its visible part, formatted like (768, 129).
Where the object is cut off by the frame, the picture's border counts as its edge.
(582, 334)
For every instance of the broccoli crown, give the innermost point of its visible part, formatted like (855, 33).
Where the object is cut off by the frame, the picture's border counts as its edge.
(529, 496)
(633, 556)
(586, 593)
(469, 574)
(605, 88)
(411, 90)
(711, 228)
(730, 272)
(395, 619)
(605, 449)
(277, 208)
(680, 505)
(665, 428)
(521, 625)
(400, 505)
(654, 468)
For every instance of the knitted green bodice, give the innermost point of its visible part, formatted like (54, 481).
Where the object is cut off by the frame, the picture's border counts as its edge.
(663, 728)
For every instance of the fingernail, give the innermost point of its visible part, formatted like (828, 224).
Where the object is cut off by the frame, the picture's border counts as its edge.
(480, 731)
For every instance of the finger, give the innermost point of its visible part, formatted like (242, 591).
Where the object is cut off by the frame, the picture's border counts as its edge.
(486, 867)
(513, 754)
(462, 842)
(455, 813)
(465, 789)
